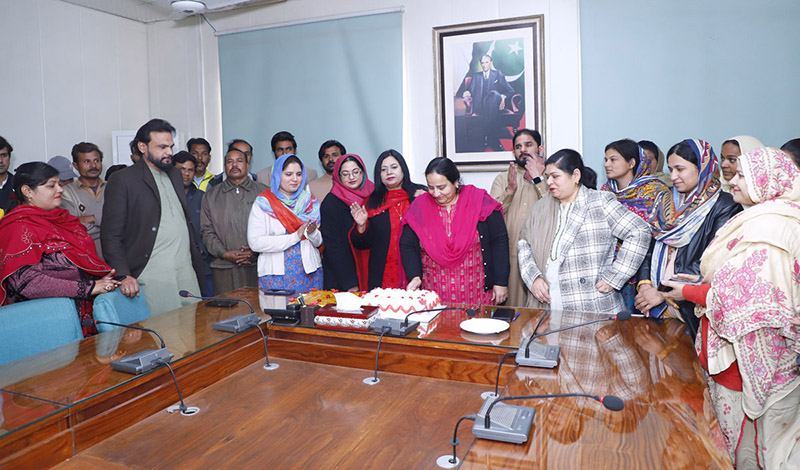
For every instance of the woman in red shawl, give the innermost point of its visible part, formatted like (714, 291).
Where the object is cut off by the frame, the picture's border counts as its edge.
(343, 267)
(45, 251)
(379, 224)
(455, 241)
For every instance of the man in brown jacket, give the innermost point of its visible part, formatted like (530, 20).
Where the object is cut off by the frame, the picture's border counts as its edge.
(223, 224)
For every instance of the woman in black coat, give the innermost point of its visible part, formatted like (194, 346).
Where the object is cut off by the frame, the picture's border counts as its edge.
(684, 221)
(344, 268)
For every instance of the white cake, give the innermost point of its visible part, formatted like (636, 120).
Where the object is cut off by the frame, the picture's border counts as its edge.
(401, 301)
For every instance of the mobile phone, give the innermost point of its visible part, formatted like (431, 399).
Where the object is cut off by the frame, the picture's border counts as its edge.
(664, 288)
(504, 313)
(658, 311)
(284, 292)
(222, 303)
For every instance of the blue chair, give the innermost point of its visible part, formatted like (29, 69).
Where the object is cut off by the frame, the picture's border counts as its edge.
(117, 308)
(37, 325)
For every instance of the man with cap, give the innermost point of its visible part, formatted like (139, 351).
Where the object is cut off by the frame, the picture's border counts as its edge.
(66, 175)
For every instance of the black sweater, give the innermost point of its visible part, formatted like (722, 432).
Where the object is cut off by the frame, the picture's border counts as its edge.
(338, 265)
(494, 249)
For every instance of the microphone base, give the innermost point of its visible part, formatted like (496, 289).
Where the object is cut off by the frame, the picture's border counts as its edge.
(396, 326)
(271, 366)
(142, 361)
(371, 381)
(444, 461)
(508, 423)
(540, 355)
(237, 324)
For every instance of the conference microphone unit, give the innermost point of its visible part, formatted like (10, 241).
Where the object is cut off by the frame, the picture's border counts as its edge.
(239, 323)
(546, 355)
(139, 362)
(510, 423)
(235, 324)
(498, 421)
(403, 327)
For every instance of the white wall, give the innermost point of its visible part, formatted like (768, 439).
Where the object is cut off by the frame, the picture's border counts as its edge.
(68, 74)
(184, 72)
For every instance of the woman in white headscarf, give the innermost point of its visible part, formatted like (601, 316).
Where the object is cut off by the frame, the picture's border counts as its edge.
(729, 156)
(748, 304)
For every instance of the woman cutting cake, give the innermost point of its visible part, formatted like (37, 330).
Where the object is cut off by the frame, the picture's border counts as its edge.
(454, 241)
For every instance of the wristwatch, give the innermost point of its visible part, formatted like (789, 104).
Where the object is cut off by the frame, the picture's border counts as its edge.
(537, 180)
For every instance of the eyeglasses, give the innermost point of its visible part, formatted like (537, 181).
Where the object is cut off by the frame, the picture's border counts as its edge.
(347, 174)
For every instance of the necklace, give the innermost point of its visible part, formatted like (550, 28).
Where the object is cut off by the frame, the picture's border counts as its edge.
(559, 231)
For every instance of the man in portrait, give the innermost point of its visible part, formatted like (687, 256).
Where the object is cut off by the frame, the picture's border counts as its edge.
(486, 96)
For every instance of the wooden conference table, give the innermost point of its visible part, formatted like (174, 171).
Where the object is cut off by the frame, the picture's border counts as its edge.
(67, 408)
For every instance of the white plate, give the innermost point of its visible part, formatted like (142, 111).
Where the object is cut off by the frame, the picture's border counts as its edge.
(484, 326)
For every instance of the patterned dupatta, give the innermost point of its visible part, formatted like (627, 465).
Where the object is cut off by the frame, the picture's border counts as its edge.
(640, 195)
(753, 266)
(674, 221)
(28, 232)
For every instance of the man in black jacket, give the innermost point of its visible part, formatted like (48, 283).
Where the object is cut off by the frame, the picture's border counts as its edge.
(146, 233)
(7, 198)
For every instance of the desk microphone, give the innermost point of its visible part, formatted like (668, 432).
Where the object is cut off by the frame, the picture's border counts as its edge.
(239, 323)
(511, 423)
(546, 355)
(142, 361)
(146, 360)
(404, 327)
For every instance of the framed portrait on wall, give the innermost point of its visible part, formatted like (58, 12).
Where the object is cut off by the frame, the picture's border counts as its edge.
(489, 82)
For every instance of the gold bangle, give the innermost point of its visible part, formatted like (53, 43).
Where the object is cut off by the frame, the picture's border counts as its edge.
(643, 282)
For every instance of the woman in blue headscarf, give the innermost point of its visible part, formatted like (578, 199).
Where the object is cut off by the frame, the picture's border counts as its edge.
(284, 229)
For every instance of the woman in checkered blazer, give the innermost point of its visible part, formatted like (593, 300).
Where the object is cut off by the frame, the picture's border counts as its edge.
(566, 248)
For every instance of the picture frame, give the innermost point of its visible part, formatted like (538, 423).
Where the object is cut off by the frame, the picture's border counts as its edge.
(474, 129)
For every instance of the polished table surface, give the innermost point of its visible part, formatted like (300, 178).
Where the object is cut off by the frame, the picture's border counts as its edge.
(301, 415)
(649, 364)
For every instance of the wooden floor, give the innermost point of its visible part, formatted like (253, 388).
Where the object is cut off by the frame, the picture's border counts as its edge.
(301, 415)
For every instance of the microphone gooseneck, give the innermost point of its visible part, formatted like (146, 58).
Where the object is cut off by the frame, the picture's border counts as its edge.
(187, 294)
(499, 368)
(374, 379)
(89, 322)
(183, 406)
(455, 441)
(621, 316)
(470, 311)
(267, 366)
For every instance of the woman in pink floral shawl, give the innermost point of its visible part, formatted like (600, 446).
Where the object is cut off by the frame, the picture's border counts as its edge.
(750, 338)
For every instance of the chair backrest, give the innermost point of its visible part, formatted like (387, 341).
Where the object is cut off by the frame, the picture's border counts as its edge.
(37, 325)
(117, 308)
